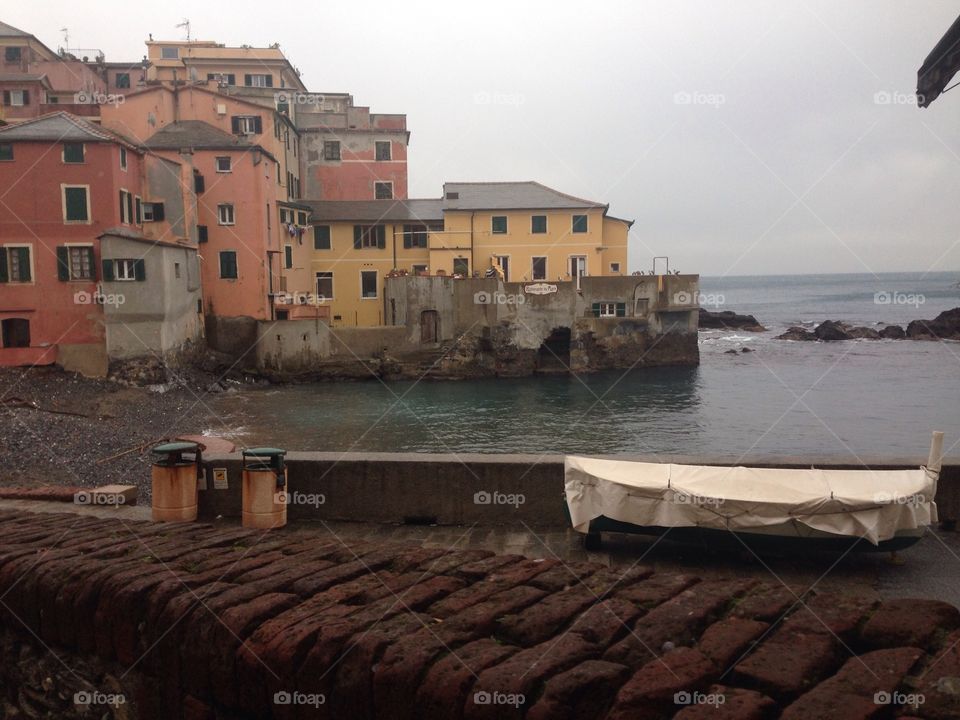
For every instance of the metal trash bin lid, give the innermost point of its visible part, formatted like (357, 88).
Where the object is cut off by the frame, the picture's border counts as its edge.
(268, 452)
(174, 447)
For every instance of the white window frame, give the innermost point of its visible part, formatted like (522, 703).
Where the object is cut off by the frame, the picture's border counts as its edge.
(125, 218)
(248, 124)
(316, 284)
(229, 163)
(129, 270)
(220, 214)
(259, 80)
(509, 264)
(607, 310)
(14, 95)
(63, 204)
(93, 264)
(376, 286)
(169, 53)
(586, 266)
(11, 246)
(389, 183)
(546, 264)
(123, 158)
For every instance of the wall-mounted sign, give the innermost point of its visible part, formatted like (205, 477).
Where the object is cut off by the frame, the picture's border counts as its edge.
(219, 478)
(539, 289)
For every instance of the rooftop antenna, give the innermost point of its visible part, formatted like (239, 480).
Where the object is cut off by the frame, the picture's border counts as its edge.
(66, 37)
(185, 24)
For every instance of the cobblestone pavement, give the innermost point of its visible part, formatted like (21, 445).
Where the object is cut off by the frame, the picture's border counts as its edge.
(342, 621)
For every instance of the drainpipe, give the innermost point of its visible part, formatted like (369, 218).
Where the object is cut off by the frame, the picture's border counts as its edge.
(395, 246)
(176, 99)
(473, 265)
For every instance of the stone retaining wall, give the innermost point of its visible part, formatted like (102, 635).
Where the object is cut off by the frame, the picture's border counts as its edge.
(199, 622)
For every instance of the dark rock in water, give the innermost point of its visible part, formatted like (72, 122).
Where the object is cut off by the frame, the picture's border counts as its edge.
(730, 352)
(863, 333)
(797, 333)
(746, 350)
(893, 332)
(946, 326)
(728, 320)
(832, 330)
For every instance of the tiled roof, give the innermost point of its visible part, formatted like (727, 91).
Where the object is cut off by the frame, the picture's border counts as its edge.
(509, 196)
(11, 31)
(195, 134)
(61, 126)
(376, 210)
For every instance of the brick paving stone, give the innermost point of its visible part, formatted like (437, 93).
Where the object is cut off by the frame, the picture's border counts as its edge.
(726, 641)
(938, 680)
(502, 578)
(839, 615)
(584, 692)
(452, 559)
(649, 693)
(738, 704)
(605, 621)
(610, 581)
(657, 589)
(563, 576)
(909, 623)
(542, 621)
(789, 662)
(768, 602)
(852, 694)
(479, 569)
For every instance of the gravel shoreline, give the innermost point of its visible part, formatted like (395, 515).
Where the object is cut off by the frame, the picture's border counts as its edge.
(41, 448)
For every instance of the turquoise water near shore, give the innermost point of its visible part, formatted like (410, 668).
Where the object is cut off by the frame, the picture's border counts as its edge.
(845, 399)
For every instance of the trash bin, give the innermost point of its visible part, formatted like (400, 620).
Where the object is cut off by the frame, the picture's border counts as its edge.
(264, 488)
(175, 482)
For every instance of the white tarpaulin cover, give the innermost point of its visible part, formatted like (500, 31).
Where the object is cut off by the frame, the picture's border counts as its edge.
(872, 504)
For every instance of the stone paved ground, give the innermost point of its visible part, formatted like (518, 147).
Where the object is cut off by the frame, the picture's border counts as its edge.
(205, 622)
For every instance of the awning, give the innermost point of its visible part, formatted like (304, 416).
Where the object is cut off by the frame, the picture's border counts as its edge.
(940, 66)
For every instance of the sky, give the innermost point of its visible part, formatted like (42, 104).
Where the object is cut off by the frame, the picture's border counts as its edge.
(742, 137)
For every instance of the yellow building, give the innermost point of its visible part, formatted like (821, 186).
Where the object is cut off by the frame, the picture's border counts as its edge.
(520, 231)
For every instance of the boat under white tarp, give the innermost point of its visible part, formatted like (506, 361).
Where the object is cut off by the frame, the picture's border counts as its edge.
(875, 505)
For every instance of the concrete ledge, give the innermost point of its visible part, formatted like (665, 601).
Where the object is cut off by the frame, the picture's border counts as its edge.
(445, 489)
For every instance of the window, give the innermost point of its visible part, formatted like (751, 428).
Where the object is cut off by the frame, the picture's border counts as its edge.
(415, 236)
(225, 214)
(76, 204)
(498, 224)
(461, 266)
(325, 285)
(288, 256)
(579, 223)
(321, 237)
(504, 262)
(15, 264)
(16, 332)
(12, 54)
(228, 264)
(6, 151)
(368, 284)
(419, 269)
(609, 309)
(331, 149)
(383, 151)
(176, 270)
(614, 267)
(383, 190)
(222, 78)
(138, 210)
(539, 268)
(170, 53)
(126, 208)
(578, 266)
(538, 224)
(16, 98)
(152, 211)
(199, 185)
(75, 262)
(202, 234)
(73, 152)
(246, 124)
(122, 81)
(255, 80)
(223, 165)
(453, 196)
(369, 236)
(124, 270)
(123, 158)
(301, 218)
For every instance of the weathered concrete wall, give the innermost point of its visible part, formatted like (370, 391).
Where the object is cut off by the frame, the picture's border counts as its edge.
(399, 487)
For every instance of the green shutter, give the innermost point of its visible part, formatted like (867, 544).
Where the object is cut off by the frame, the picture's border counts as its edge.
(139, 270)
(76, 202)
(107, 270)
(129, 208)
(92, 259)
(139, 217)
(596, 310)
(3, 265)
(157, 212)
(381, 237)
(357, 235)
(621, 309)
(321, 237)
(122, 193)
(63, 263)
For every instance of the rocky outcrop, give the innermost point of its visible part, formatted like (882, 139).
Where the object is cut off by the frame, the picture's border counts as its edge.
(728, 320)
(797, 333)
(946, 326)
(892, 332)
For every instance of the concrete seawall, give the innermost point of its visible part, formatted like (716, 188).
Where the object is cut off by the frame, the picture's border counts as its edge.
(451, 489)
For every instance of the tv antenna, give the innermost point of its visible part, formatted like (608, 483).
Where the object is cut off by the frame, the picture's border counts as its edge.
(185, 24)
(66, 37)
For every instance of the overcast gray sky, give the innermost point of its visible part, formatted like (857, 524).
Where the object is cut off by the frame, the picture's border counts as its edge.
(743, 137)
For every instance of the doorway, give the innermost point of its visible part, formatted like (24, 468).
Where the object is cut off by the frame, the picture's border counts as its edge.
(578, 266)
(429, 327)
(16, 333)
(504, 262)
